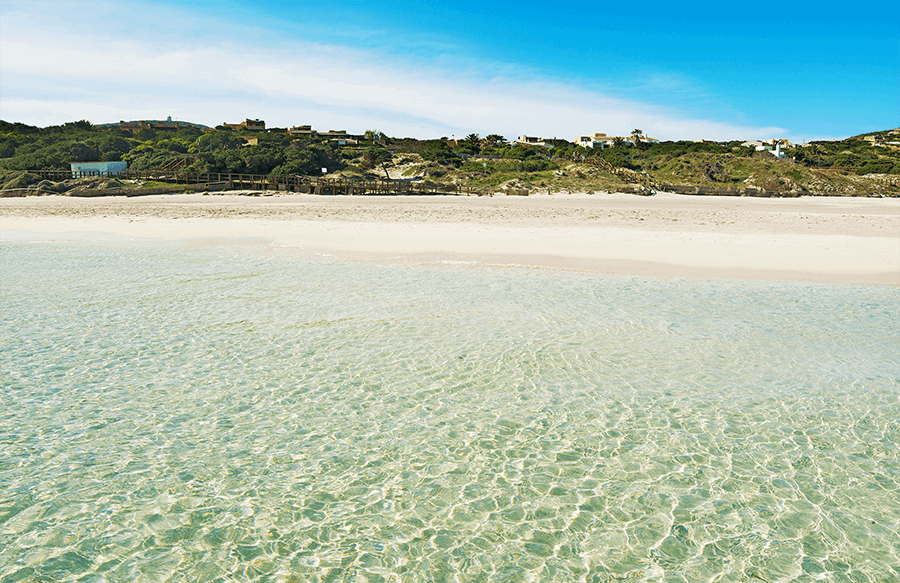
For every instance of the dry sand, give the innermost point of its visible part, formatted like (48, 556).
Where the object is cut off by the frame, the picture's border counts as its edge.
(825, 239)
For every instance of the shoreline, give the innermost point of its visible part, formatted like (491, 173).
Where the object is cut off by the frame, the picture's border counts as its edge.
(817, 239)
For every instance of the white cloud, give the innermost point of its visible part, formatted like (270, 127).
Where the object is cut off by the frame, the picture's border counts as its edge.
(286, 83)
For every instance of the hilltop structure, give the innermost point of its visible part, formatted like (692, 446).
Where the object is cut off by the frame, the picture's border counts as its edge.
(601, 140)
(531, 141)
(253, 125)
(889, 139)
(772, 146)
(154, 124)
(340, 136)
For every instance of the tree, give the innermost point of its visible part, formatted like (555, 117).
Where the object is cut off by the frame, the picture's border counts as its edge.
(438, 151)
(373, 135)
(215, 141)
(473, 141)
(374, 156)
(79, 125)
(308, 160)
(636, 135)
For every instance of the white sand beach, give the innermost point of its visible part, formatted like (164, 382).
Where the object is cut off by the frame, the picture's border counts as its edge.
(821, 239)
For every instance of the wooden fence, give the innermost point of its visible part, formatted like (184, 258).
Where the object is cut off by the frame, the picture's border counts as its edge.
(642, 183)
(638, 183)
(302, 184)
(725, 191)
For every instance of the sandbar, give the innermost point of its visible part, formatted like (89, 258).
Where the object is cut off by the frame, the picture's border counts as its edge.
(818, 239)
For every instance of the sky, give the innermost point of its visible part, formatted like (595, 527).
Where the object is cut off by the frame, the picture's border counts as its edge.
(677, 71)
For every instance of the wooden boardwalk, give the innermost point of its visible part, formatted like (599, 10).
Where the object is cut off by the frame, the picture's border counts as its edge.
(301, 184)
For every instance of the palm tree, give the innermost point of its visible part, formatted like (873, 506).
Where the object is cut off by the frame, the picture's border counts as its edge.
(636, 136)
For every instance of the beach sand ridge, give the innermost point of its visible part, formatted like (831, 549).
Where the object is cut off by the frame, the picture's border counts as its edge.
(830, 239)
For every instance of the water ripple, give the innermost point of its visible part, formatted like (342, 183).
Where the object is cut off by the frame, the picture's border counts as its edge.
(230, 412)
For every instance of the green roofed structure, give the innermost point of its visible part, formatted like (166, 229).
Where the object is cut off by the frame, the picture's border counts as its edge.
(98, 168)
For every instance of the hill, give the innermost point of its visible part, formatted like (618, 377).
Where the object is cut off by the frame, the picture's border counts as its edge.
(867, 164)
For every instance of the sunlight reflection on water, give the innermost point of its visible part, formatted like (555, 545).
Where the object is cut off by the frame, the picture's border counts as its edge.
(226, 411)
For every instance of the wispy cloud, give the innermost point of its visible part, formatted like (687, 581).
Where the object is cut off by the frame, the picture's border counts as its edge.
(51, 75)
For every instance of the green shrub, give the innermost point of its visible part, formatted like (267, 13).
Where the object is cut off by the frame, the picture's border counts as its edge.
(507, 166)
(438, 151)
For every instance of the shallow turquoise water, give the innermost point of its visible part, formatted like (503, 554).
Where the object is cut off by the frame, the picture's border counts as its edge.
(221, 410)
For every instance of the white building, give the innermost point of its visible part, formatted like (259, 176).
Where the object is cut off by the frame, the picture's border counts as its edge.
(772, 146)
(601, 140)
(530, 141)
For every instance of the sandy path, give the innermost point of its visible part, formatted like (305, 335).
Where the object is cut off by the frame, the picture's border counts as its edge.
(828, 239)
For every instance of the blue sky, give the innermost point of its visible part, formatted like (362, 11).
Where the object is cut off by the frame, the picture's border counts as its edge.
(678, 71)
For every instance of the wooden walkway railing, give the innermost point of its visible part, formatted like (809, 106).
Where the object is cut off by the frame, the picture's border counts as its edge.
(302, 184)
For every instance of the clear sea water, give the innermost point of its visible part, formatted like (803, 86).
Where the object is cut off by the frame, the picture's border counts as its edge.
(232, 411)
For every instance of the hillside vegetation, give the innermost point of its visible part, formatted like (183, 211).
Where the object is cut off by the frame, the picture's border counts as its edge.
(852, 166)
